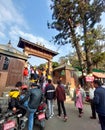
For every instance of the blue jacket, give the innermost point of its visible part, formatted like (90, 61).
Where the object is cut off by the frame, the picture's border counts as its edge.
(99, 100)
(50, 92)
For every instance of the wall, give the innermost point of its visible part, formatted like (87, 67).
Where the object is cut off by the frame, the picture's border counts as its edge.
(67, 78)
(14, 73)
(3, 79)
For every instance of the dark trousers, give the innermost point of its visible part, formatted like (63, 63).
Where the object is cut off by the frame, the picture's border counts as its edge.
(61, 104)
(21, 110)
(102, 121)
(80, 110)
(93, 108)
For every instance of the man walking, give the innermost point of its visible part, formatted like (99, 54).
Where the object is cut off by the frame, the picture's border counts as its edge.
(91, 96)
(34, 96)
(99, 100)
(61, 97)
(50, 96)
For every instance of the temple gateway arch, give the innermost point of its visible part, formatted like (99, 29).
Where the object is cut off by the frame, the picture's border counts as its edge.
(37, 50)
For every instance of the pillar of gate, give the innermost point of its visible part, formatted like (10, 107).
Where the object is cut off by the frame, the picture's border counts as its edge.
(38, 50)
(49, 67)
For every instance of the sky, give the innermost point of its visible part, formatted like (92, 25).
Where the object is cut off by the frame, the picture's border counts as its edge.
(28, 19)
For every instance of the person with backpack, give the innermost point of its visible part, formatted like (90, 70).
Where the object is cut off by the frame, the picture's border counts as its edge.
(50, 96)
(14, 100)
(61, 97)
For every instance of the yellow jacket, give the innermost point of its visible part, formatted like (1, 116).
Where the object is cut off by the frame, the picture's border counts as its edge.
(14, 93)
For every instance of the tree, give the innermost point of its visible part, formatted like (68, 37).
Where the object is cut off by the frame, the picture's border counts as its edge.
(65, 21)
(90, 13)
(55, 64)
(73, 59)
(98, 51)
(62, 60)
(70, 15)
(42, 66)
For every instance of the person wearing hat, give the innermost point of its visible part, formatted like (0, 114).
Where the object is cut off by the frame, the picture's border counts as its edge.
(34, 97)
(24, 91)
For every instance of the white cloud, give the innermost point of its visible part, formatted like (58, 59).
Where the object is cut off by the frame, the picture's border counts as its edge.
(9, 13)
(2, 35)
(12, 25)
(16, 32)
(10, 16)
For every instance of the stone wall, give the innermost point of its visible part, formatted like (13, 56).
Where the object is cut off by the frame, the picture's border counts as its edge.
(3, 79)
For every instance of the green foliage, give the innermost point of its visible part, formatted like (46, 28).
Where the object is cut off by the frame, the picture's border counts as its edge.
(70, 15)
(42, 66)
(55, 64)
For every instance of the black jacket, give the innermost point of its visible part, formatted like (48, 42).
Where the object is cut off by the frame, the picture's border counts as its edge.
(50, 92)
(34, 97)
(14, 95)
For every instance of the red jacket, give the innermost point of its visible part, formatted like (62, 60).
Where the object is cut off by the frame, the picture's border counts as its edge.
(60, 93)
(25, 72)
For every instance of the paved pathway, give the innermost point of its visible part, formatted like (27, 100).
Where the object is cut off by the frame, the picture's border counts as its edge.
(73, 122)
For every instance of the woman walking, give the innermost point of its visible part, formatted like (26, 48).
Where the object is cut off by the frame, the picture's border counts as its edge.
(79, 95)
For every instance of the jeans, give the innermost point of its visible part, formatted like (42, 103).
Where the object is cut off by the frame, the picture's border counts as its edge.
(102, 121)
(50, 107)
(31, 118)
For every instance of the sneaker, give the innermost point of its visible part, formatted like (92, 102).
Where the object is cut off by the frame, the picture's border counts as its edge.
(65, 118)
(92, 117)
(80, 115)
(52, 114)
(50, 117)
(59, 116)
(24, 118)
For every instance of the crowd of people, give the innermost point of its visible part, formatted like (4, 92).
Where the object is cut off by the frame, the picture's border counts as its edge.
(30, 98)
(27, 98)
(35, 75)
(96, 100)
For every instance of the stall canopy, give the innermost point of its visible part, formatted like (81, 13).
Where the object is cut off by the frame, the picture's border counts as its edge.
(99, 75)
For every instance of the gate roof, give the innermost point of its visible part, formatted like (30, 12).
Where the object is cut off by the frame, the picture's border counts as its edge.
(25, 43)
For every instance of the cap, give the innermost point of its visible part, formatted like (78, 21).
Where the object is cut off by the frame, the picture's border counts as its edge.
(24, 87)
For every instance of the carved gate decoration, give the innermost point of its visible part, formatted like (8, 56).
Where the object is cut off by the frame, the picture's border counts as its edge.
(35, 49)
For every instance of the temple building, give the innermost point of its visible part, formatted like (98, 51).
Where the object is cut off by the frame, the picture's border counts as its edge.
(12, 64)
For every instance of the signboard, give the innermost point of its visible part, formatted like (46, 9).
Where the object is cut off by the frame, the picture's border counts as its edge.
(89, 78)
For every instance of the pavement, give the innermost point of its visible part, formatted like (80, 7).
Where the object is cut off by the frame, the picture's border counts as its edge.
(73, 122)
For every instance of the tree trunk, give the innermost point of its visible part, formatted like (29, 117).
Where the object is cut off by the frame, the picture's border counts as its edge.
(87, 49)
(88, 60)
(76, 44)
